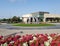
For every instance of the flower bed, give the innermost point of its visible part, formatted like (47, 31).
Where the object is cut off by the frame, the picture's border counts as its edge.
(31, 40)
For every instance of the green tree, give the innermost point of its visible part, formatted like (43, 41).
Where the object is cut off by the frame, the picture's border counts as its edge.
(9, 20)
(16, 19)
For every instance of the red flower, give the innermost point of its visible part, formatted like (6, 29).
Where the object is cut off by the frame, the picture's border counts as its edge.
(53, 43)
(1, 37)
(16, 42)
(19, 45)
(32, 44)
(37, 43)
(10, 44)
(3, 41)
(45, 38)
(42, 45)
(17, 36)
(52, 35)
(58, 44)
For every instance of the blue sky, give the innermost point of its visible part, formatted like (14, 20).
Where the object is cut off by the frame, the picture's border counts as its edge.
(10, 8)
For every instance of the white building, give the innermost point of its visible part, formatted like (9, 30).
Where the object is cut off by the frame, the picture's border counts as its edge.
(37, 17)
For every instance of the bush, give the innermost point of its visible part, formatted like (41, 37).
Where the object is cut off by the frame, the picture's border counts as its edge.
(31, 40)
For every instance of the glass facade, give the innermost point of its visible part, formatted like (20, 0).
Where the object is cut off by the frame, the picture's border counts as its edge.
(41, 16)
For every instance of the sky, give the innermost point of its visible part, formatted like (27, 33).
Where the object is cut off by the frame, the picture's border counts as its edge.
(10, 8)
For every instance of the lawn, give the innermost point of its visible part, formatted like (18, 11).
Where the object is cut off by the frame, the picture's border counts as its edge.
(33, 24)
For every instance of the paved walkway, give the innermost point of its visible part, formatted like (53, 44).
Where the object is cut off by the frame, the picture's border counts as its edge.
(6, 32)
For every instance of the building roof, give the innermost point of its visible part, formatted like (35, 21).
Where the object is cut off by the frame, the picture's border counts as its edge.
(35, 14)
(41, 12)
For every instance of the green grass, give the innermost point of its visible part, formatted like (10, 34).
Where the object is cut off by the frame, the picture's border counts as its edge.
(33, 24)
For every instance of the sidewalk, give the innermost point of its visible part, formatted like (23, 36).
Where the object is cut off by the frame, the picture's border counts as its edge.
(5, 32)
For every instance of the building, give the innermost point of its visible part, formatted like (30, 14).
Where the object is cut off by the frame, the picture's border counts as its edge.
(38, 17)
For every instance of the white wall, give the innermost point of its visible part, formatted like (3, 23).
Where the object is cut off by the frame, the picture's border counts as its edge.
(51, 15)
(25, 17)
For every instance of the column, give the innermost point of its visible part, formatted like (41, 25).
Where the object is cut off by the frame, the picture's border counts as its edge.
(29, 20)
(33, 20)
(37, 20)
(44, 19)
(22, 19)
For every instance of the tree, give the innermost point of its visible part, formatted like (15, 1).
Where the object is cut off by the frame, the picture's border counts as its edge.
(9, 20)
(4, 19)
(16, 19)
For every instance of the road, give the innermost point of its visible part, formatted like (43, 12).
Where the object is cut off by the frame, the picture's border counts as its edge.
(9, 26)
(7, 29)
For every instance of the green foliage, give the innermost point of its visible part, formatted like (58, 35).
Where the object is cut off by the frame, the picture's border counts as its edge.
(18, 24)
(14, 19)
